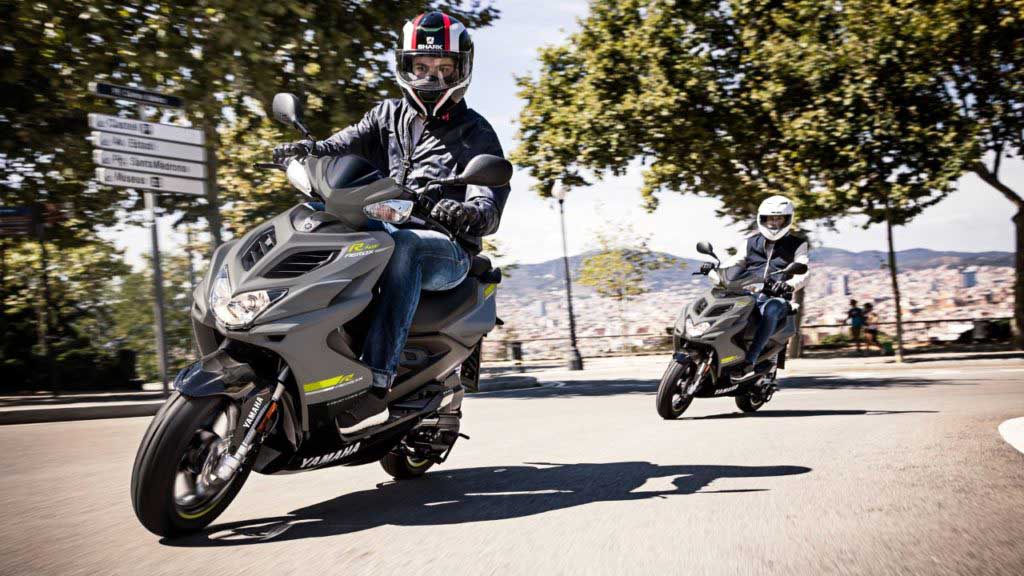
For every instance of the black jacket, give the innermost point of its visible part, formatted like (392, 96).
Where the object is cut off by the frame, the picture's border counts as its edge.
(761, 257)
(444, 149)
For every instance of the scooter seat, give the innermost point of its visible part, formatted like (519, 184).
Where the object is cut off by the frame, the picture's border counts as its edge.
(482, 269)
(438, 309)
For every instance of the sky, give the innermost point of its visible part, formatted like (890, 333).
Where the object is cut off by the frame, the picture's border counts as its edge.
(974, 218)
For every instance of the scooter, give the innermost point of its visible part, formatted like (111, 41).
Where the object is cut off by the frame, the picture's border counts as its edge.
(712, 334)
(280, 318)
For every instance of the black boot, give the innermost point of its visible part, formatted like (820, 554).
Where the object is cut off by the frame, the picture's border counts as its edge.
(365, 409)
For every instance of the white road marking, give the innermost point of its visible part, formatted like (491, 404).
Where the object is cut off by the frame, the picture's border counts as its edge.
(1013, 432)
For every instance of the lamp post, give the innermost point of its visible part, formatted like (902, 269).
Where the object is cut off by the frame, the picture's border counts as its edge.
(575, 360)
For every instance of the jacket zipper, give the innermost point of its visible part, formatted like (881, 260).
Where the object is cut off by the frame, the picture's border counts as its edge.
(768, 263)
(408, 149)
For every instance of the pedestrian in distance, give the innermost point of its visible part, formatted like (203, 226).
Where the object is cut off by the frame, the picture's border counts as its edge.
(855, 318)
(871, 328)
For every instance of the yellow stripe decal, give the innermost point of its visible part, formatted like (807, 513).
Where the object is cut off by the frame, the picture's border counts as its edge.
(489, 289)
(728, 359)
(327, 383)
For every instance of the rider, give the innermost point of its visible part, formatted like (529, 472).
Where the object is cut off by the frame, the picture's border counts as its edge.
(430, 134)
(770, 249)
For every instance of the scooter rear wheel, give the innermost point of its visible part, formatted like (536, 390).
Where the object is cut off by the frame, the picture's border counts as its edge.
(404, 467)
(748, 403)
(671, 399)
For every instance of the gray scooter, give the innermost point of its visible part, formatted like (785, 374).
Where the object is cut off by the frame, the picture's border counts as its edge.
(280, 318)
(712, 334)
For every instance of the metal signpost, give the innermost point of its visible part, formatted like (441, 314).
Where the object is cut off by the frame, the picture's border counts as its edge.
(155, 158)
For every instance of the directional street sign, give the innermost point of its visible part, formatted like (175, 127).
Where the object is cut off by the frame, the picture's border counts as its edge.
(16, 221)
(135, 95)
(146, 129)
(168, 166)
(125, 143)
(141, 181)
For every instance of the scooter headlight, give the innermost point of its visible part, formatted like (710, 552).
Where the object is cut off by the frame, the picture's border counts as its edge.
(236, 312)
(393, 211)
(698, 329)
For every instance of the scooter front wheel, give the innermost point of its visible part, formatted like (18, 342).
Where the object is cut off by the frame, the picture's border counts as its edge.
(173, 489)
(672, 399)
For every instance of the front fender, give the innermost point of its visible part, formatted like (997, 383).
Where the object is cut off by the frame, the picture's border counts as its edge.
(217, 374)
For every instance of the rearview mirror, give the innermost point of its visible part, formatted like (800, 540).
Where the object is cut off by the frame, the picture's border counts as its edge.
(486, 170)
(705, 248)
(796, 268)
(287, 108)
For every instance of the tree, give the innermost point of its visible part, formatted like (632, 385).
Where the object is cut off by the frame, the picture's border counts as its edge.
(840, 106)
(621, 265)
(226, 59)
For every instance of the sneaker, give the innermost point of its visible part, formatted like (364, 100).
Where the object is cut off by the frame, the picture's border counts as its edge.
(742, 370)
(366, 409)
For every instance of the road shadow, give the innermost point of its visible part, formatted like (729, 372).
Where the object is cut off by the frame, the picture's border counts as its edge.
(800, 413)
(619, 387)
(445, 497)
(852, 382)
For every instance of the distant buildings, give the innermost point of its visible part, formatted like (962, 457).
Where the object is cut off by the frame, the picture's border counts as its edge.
(943, 293)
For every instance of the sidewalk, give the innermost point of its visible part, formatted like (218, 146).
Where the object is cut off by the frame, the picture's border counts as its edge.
(47, 407)
(36, 408)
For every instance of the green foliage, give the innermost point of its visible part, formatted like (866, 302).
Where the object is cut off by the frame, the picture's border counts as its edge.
(227, 60)
(847, 108)
(76, 326)
(620, 267)
(131, 302)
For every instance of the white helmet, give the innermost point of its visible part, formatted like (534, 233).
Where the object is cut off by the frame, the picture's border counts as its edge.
(775, 206)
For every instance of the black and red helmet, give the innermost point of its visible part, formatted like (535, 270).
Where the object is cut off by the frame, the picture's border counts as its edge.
(433, 85)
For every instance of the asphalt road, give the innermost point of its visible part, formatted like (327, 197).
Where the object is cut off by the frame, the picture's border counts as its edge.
(865, 470)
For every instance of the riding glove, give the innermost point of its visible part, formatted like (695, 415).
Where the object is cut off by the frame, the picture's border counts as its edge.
(299, 149)
(780, 288)
(455, 215)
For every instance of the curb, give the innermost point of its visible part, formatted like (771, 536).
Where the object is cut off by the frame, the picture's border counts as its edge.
(150, 407)
(503, 383)
(67, 413)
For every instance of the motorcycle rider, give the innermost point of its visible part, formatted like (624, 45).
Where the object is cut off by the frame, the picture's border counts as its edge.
(430, 134)
(770, 249)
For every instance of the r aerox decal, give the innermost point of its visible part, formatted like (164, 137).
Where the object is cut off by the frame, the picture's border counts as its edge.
(329, 457)
(361, 249)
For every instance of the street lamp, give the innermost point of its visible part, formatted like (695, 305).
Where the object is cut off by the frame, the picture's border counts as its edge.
(575, 360)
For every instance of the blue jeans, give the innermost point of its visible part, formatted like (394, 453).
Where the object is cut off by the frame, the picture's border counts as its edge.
(773, 312)
(422, 260)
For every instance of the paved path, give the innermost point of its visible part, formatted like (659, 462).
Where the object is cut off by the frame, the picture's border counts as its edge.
(871, 470)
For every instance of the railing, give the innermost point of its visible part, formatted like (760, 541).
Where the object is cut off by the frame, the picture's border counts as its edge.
(915, 332)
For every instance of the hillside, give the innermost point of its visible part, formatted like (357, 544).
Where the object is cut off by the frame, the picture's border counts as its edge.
(545, 276)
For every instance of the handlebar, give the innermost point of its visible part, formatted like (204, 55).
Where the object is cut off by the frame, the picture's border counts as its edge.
(268, 166)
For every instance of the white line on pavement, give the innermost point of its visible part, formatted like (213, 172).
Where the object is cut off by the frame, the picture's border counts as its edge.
(1013, 432)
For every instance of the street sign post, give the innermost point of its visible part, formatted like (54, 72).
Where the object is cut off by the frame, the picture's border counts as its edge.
(142, 96)
(167, 166)
(147, 129)
(162, 148)
(149, 156)
(141, 181)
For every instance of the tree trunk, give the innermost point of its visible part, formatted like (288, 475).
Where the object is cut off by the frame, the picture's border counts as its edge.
(1018, 221)
(1018, 286)
(796, 343)
(213, 210)
(894, 273)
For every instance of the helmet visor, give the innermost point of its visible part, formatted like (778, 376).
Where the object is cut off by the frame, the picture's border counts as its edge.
(776, 221)
(431, 71)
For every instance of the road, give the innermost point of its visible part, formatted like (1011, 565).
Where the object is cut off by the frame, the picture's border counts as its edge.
(851, 469)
